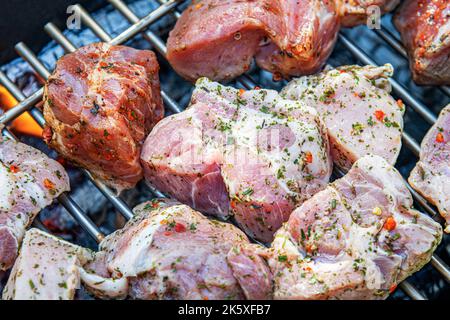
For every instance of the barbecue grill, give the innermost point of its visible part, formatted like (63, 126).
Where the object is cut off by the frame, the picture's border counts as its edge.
(418, 117)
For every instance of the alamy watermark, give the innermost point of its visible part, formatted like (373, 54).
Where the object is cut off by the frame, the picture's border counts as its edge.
(373, 17)
(74, 20)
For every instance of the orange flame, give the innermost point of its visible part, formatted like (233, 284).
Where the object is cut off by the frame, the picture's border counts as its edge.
(23, 124)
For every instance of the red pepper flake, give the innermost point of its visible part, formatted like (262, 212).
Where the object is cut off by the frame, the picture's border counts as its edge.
(107, 156)
(277, 76)
(131, 114)
(390, 224)
(439, 137)
(400, 104)
(48, 184)
(392, 288)
(308, 248)
(14, 169)
(241, 92)
(47, 134)
(61, 161)
(342, 71)
(167, 233)
(205, 298)
(233, 204)
(257, 88)
(307, 268)
(308, 157)
(379, 114)
(179, 227)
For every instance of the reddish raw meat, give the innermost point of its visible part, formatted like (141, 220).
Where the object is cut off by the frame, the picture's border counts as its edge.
(218, 39)
(100, 104)
(425, 29)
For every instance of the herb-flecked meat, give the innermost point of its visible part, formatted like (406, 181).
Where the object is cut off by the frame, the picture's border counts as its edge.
(424, 26)
(46, 269)
(250, 154)
(100, 104)
(355, 12)
(29, 181)
(431, 176)
(355, 105)
(357, 239)
(170, 251)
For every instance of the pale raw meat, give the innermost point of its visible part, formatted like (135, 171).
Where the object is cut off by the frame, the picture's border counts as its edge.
(357, 239)
(100, 104)
(218, 39)
(354, 12)
(169, 251)
(431, 176)
(29, 181)
(46, 269)
(424, 26)
(249, 154)
(355, 105)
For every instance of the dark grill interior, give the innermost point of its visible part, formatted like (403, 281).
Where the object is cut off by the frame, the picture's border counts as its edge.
(90, 214)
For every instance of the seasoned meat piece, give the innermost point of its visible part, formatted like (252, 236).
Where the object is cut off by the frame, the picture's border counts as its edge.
(100, 104)
(425, 29)
(354, 12)
(29, 181)
(249, 154)
(169, 251)
(431, 176)
(218, 39)
(46, 269)
(357, 239)
(356, 107)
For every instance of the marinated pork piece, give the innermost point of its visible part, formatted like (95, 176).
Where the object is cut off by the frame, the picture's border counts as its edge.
(355, 105)
(357, 239)
(100, 104)
(355, 12)
(249, 154)
(424, 26)
(29, 181)
(431, 176)
(169, 251)
(46, 269)
(218, 39)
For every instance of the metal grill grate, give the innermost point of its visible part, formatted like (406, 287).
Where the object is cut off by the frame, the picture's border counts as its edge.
(140, 26)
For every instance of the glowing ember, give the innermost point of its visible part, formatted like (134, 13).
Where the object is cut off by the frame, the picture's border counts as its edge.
(24, 124)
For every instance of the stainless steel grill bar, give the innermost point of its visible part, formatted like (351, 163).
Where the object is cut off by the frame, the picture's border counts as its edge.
(31, 58)
(411, 291)
(53, 31)
(397, 45)
(398, 88)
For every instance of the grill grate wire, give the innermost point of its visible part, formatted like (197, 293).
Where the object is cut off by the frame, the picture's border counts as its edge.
(139, 26)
